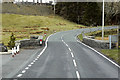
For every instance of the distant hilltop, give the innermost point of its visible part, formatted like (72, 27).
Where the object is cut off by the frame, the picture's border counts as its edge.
(29, 1)
(27, 9)
(8, 1)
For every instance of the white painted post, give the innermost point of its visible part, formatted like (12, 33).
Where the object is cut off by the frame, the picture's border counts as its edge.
(15, 50)
(18, 48)
(110, 41)
(12, 52)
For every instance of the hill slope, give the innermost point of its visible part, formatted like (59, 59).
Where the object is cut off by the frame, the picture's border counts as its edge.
(23, 25)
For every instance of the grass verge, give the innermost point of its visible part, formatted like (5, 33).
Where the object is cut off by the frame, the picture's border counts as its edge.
(112, 54)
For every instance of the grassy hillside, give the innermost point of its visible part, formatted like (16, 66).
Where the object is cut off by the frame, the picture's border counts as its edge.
(41, 10)
(23, 26)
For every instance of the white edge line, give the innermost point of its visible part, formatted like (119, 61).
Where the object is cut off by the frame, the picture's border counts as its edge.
(45, 45)
(78, 75)
(100, 54)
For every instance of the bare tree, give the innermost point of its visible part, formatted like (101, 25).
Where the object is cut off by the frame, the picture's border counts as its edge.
(112, 9)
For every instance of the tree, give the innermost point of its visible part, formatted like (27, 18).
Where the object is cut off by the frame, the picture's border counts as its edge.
(85, 13)
(11, 43)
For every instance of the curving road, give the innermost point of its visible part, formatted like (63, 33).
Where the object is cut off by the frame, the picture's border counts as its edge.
(66, 57)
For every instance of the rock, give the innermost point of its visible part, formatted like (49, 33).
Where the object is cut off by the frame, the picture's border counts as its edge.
(3, 48)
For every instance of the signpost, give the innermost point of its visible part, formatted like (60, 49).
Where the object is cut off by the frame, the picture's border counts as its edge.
(103, 22)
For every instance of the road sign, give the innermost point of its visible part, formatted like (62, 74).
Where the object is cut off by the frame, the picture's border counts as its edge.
(112, 38)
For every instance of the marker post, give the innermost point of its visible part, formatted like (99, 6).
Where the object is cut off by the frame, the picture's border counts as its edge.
(12, 52)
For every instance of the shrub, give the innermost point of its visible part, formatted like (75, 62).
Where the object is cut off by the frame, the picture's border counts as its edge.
(11, 43)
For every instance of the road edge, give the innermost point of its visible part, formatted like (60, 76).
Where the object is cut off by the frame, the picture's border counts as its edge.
(117, 65)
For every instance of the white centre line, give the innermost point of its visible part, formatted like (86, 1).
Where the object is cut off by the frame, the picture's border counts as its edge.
(30, 65)
(19, 75)
(66, 45)
(69, 49)
(23, 71)
(72, 54)
(74, 63)
(36, 59)
(78, 75)
(27, 68)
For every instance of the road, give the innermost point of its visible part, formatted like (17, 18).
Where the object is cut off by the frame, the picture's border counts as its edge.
(66, 57)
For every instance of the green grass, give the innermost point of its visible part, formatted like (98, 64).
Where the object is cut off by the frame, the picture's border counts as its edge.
(17, 24)
(111, 53)
(80, 37)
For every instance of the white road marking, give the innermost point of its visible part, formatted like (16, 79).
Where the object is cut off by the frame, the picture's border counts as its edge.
(29, 65)
(72, 54)
(69, 49)
(100, 54)
(74, 63)
(38, 55)
(66, 45)
(27, 68)
(32, 63)
(19, 75)
(36, 59)
(23, 71)
(78, 75)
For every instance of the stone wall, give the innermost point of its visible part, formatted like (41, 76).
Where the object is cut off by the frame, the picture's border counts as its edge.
(97, 43)
(33, 41)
